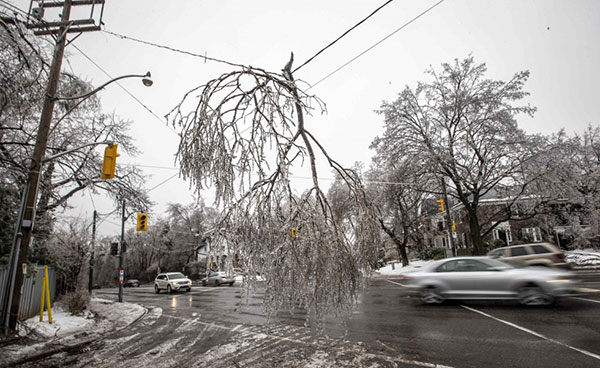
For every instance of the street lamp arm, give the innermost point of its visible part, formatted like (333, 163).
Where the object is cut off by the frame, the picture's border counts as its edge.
(50, 158)
(146, 80)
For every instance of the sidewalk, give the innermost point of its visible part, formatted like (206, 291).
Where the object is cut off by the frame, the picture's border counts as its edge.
(37, 339)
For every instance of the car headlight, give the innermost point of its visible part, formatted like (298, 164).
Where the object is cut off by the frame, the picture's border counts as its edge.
(558, 281)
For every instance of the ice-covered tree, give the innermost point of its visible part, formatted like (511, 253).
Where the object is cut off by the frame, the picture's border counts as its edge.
(243, 135)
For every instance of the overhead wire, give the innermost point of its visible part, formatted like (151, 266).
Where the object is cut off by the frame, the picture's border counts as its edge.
(377, 43)
(205, 57)
(342, 36)
(165, 123)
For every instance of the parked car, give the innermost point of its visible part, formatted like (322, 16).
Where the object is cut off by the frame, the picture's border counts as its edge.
(218, 279)
(488, 278)
(535, 254)
(131, 283)
(172, 281)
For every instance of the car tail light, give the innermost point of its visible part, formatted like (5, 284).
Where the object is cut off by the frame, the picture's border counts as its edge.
(560, 256)
(223, 277)
(406, 278)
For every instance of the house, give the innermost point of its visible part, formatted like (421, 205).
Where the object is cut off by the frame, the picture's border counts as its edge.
(513, 222)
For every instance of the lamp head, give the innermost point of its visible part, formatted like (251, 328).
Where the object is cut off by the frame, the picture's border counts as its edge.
(147, 80)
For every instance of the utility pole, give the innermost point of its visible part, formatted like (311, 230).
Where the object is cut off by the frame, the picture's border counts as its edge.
(24, 237)
(91, 273)
(448, 218)
(121, 270)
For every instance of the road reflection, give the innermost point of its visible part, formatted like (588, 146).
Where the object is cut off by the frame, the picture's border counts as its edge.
(174, 302)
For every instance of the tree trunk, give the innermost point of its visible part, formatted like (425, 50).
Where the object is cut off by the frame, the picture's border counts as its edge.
(400, 244)
(478, 248)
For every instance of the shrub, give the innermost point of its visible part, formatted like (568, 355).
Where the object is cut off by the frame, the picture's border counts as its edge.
(76, 302)
(432, 253)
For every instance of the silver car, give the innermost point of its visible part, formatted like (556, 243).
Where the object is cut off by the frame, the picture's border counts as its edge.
(218, 279)
(172, 281)
(487, 278)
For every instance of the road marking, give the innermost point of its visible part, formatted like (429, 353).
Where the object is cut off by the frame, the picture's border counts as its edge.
(589, 300)
(396, 283)
(585, 352)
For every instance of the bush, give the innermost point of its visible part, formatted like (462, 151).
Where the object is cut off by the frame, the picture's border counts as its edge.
(491, 245)
(432, 253)
(76, 302)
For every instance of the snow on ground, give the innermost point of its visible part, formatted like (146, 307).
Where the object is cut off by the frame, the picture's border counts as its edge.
(102, 316)
(586, 258)
(397, 269)
(65, 324)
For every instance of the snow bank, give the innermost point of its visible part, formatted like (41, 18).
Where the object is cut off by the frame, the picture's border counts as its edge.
(397, 269)
(587, 258)
(102, 315)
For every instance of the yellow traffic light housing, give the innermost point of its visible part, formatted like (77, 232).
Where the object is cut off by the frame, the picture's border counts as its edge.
(142, 221)
(440, 205)
(294, 235)
(110, 162)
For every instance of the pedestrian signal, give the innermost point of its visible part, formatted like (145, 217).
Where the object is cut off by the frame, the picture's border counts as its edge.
(114, 249)
(142, 221)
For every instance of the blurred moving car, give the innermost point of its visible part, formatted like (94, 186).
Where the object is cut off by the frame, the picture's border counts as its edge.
(131, 283)
(172, 281)
(535, 254)
(218, 279)
(487, 278)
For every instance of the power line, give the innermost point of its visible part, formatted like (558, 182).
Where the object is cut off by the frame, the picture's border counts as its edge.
(174, 49)
(126, 90)
(340, 37)
(13, 7)
(378, 42)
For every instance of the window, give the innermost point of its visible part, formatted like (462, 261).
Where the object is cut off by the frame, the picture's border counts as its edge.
(532, 233)
(518, 251)
(497, 253)
(464, 265)
(540, 249)
(450, 266)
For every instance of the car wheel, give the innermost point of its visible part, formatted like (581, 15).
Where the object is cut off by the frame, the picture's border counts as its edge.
(204, 283)
(231, 283)
(156, 289)
(169, 289)
(431, 295)
(217, 283)
(534, 295)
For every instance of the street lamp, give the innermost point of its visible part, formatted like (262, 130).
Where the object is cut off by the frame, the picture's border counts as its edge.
(24, 228)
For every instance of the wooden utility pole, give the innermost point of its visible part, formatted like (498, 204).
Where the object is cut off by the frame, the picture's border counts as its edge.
(36, 162)
(24, 229)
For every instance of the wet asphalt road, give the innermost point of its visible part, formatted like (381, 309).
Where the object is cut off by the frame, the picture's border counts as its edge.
(219, 327)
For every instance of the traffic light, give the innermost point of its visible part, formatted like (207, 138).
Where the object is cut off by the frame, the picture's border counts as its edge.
(294, 236)
(440, 205)
(114, 249)
(142, 221)
(110, 162)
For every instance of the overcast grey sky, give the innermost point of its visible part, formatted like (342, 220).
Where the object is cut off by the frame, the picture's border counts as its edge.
(557, 41)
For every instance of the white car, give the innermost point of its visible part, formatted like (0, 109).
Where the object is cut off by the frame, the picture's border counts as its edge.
(172, 281)
(487, 278)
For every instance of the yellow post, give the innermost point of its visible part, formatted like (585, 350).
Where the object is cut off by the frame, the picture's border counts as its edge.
(46, 294)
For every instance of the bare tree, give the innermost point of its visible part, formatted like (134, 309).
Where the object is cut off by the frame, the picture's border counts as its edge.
(24, 76)
(464, 127)
(244, 135)
(398, 188)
